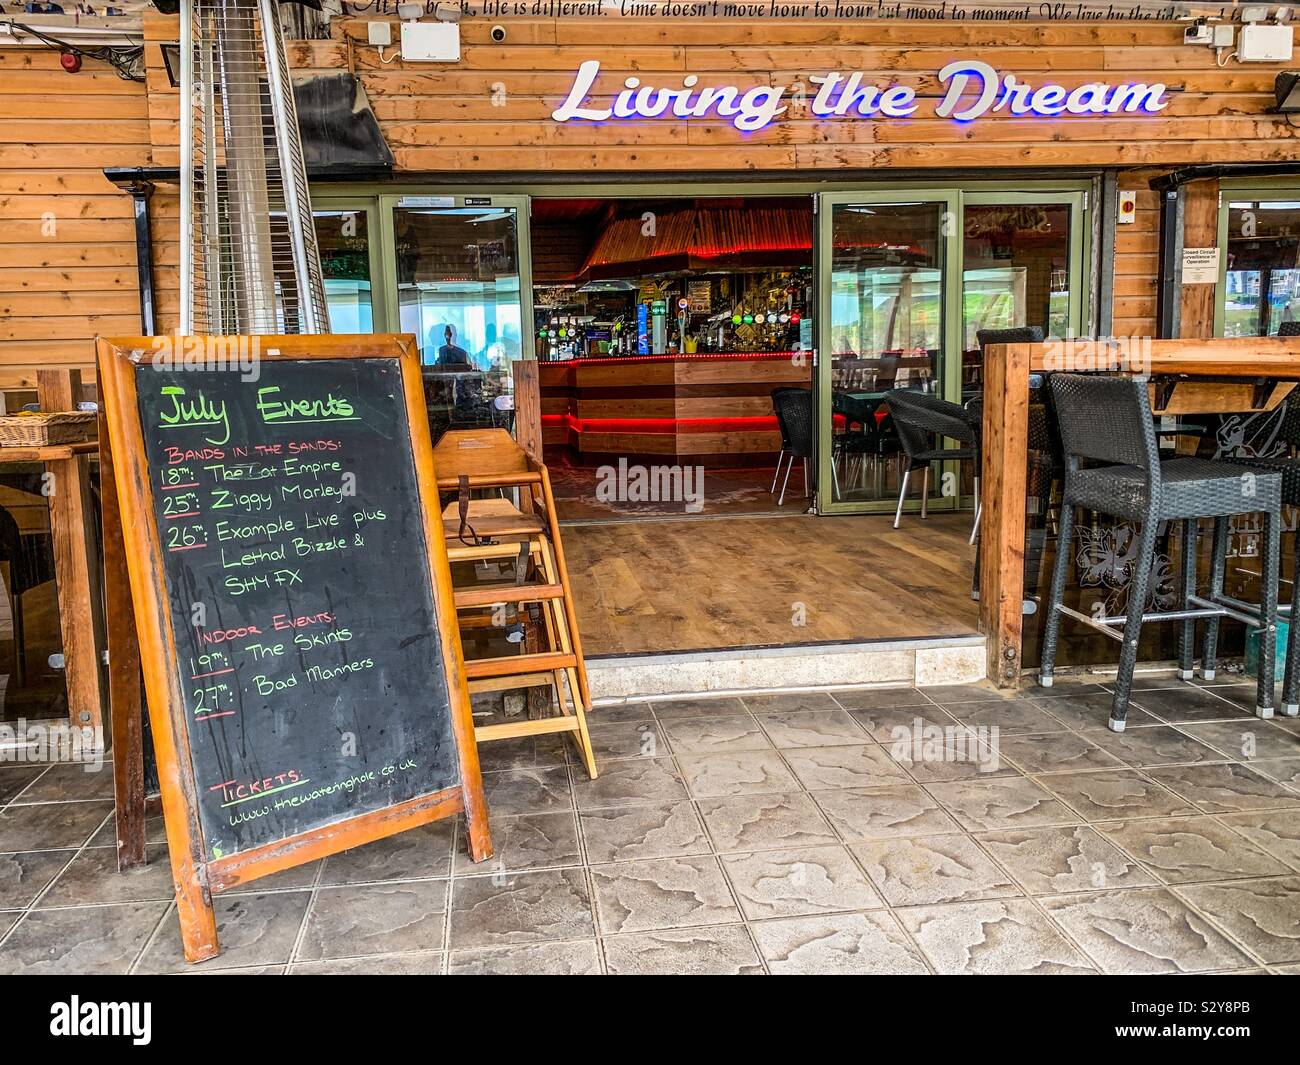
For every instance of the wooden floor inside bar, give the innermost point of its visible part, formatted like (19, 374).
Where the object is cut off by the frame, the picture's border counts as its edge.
(689, 584)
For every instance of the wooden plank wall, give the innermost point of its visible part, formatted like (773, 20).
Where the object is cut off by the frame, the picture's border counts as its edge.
(67, 238)
(490, 113)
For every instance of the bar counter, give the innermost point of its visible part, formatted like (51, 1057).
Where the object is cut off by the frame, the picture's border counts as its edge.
(693, 406)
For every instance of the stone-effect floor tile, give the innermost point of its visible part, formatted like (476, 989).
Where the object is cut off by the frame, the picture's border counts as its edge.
(1002, 802)
(14, 779)
(634, 781)
(23, 876)
(1223, 787)
(1155, 746)
(1186, 703)
(981, 692)
(1263, 915)
(525, 752)
(70, 782)
(860, 766)
(1184, 850)
(892, 724)
(489, 911)
(920, 872)
(872, 698)
(798, 883)
(349, 922)
(252, 930)
(766, 821)
(675, 709)
(789, 702)
(530, 841)
(420, 852)
(958, 755)
(84, 941)
(627, 739)
(579, 958)
(51, 826)
(1055, 860)
(1276, 832)
(1011, 717)
(739, 773)
(846, 944)
(527, 791)
(997, 936)
(93, 880)
(662, 893)
(883, 813)
(422, 963)
(1113, 795)
(811, 728)
(1085, 710)
(625, 833)
(1247, 738)
(1056, 752)
(713, 735)
(1283, 770)
(1146, 930)
(724, 950)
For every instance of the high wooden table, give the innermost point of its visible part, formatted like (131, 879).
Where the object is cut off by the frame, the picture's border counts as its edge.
(1186, 377)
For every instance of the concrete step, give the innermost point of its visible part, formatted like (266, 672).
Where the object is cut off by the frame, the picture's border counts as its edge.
(939, 660)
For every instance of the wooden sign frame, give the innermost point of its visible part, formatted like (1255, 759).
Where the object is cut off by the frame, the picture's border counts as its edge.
(196, 877)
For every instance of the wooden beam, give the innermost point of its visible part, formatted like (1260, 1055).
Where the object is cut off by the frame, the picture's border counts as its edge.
(1002, 527)
(528, 406)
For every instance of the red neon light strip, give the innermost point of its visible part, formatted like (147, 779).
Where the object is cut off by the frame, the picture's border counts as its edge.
(663, 426)
(676, 358)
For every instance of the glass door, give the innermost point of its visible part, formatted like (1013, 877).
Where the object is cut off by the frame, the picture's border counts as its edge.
(350, 258)
(889, 317)
(462, 272)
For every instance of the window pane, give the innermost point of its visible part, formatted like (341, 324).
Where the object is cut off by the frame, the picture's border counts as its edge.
(1016, 263)
(344, 240)
(1262, 287)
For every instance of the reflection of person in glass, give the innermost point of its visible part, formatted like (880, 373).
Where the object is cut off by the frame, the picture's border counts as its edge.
(451, 355)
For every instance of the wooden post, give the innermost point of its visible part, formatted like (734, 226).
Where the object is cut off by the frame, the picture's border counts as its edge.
(76, 562)
(1002, 527)
(125, 699)
(528, 406)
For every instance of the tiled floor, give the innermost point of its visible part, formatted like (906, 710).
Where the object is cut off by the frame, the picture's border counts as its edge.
(775, 834)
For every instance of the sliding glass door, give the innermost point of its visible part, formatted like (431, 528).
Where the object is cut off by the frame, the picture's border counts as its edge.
(907, 281)
(888, 319)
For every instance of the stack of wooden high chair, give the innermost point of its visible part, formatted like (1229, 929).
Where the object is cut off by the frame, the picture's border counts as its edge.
(502, 511)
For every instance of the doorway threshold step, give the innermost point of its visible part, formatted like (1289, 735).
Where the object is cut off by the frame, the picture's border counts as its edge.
(917, 662)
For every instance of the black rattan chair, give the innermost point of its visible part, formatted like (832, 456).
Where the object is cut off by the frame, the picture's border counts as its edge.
(918, 417)
(1108, 420)
(1288, 467)
(785, 434)
(794, 413)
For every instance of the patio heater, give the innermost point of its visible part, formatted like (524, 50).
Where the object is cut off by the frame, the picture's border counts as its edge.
(249, 258)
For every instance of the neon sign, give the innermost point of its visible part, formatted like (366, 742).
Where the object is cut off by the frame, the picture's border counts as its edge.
(972, 89)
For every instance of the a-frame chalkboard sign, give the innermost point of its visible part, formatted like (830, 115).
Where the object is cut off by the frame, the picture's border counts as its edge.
(293, 601)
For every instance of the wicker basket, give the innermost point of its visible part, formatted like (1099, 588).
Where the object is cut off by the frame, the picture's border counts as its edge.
(37, 430)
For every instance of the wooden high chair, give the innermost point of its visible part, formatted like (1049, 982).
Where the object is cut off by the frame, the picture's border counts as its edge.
(467, 461)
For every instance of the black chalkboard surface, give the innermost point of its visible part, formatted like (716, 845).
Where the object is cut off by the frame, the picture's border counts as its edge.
(298, 587)
(292, 599)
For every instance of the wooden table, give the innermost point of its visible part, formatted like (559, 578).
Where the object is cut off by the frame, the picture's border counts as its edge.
(1187, 377)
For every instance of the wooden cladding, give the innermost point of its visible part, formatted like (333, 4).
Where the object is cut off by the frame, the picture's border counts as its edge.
(491, 111)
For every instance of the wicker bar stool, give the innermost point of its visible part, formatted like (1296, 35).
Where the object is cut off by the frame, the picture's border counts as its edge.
(1108, 420)
(1289, 470)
